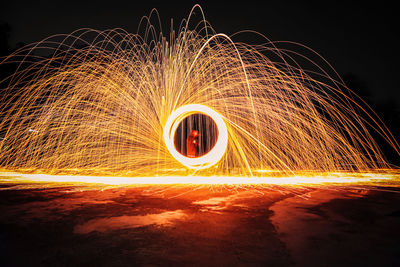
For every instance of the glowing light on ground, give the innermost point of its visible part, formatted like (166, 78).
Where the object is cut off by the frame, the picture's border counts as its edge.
(381, 177)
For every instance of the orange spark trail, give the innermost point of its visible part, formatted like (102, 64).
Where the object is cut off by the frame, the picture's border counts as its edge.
(106, 101)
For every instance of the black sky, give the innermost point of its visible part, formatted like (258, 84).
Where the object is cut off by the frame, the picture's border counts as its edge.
(356, 39)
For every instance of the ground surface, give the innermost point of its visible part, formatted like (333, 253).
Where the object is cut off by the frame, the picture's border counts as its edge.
(199, 226)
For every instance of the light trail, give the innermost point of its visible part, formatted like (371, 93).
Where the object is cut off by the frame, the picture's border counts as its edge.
(213, 156)
(308, 179)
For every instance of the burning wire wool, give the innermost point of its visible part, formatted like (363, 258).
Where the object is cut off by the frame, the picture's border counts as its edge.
(103, 100)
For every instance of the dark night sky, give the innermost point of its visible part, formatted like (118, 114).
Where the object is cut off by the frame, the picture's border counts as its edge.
(355, 39)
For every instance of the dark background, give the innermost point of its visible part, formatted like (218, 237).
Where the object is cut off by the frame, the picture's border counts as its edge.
(358, 40)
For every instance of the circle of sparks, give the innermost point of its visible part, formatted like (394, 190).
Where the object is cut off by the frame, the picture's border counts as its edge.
(214, 155)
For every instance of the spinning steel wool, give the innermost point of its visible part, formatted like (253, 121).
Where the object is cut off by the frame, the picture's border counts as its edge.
(111, 102)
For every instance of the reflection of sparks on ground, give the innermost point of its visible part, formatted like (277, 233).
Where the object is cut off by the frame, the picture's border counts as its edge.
(126, 222)
(199, 225)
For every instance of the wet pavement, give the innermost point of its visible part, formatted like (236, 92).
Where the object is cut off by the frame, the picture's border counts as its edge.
(199, 226)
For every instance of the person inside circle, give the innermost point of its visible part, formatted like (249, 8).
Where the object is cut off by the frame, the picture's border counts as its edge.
(192, 142)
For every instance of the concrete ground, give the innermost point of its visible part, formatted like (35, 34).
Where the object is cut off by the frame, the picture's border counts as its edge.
(199, 226)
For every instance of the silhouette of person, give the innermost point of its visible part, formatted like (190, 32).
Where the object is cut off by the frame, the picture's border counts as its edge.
(192, 142)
